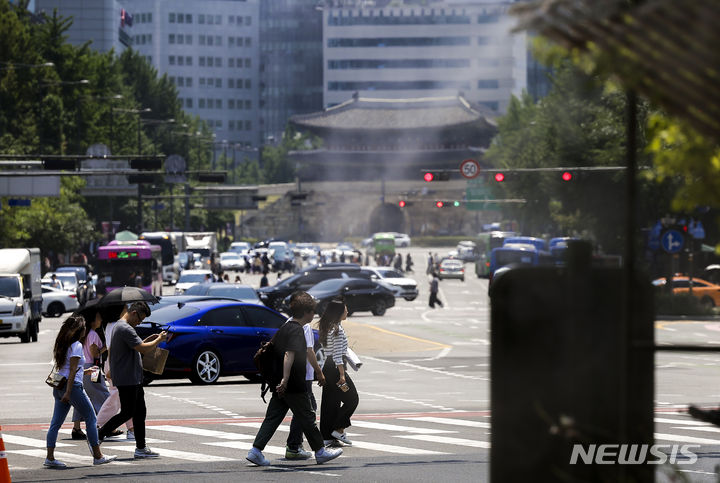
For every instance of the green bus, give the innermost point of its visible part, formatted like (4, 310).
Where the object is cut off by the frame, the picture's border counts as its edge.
(383, 244)
(486, 241)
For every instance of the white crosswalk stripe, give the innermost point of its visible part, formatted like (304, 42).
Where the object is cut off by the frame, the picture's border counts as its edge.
(183, 455)
(450, 421)
(395, 427)
(445, 440)
(201, 432)
(246, 446)
(35, 443)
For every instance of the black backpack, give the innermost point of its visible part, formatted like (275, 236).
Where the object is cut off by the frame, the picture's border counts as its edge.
(266, 362)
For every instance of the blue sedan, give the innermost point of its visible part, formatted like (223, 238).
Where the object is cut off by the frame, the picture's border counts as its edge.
(213, 338)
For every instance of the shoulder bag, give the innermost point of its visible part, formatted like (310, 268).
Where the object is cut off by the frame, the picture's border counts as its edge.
(56, 380)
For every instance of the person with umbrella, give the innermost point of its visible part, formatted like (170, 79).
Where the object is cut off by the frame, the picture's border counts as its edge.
(127, 371)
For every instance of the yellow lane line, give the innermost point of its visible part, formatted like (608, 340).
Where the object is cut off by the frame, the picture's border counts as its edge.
(407, 336)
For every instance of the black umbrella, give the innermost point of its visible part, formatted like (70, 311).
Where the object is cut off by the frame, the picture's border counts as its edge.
(125, 295)
(108, 313)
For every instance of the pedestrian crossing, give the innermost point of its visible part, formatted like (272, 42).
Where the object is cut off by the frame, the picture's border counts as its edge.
(228, 440)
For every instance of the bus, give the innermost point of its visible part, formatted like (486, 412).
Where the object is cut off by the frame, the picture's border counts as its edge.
(518, 254)
(538, 243)
(128, 264)
(486, 242)
(164, 240)
(383, 244)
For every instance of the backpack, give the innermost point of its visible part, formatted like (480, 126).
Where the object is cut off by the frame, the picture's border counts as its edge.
(266, 361)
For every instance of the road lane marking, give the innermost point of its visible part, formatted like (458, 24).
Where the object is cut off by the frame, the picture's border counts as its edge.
(413, 401)
(397, 427)
(417, 339)
(446, 440)
(390, 448)
(429, 369)
(122, 439)
(685, 439)
(680, 422)
(451, 421)
(201, 432)
(62, 456)
(182, 455)
(247, 446)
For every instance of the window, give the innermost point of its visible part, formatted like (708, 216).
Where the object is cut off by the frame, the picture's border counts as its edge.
(231, 62)
(210, 39)
(248, 41)
(398, 41)
(149, 37)
(210, 81)
(202, 82)
(210, 61)
(181, 60)
(248, 125)
(201, 18)
(231, 104)
(201, 61)
(202, 40)
(494, 105)
(218, 103)
(210, 19)
(218, 61)
(231, 83)
(231, 125)
(218, 82)
(201, 103)
(218, 19)
(171, 38)
(483, 40)
(180, 81)
(189, 81)
(188, 39)
(188, 18)
(231, 41)
(257, 316)
(149, 17)
(218, 123)
(231, 18)
(247, 63)
(488, 18)
(172, 79)
(180, 18)
(488, 84)
(188, 60)
(248, 20)
(171, 60)
(180, 39)
(247, 83)
(248, 104)
(172, 18)
(239, 84)
(224, 317)
(218, 40)
(239, 21)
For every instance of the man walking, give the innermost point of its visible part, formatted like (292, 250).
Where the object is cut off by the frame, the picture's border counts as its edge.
(434, 287)
(291, 393)
(127, 373)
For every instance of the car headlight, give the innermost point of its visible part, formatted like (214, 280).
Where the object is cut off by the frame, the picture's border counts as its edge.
(19, 309)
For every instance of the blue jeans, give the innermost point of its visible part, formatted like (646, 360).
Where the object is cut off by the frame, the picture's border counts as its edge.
(81, 402)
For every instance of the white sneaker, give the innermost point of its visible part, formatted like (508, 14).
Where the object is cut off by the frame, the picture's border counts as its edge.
(341, 437)
(323, 455)
(104, 459)
(256, 457)
(54, 464)
(130, 436)
(332, 443)
(145, 453)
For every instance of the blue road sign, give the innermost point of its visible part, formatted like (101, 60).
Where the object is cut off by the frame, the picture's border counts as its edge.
(15, 202)
(672, 241)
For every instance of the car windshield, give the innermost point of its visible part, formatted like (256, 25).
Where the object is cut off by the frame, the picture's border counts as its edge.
(287, 281)
(192, 278)
(451, 263)
(228, 256)
(199, 289)
(67, 280)
(170, 313)
(233, 292)
(9, 287)
(79, 271)
(329, 285)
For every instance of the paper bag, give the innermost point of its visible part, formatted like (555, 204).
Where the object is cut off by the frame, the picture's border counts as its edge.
(154, 360)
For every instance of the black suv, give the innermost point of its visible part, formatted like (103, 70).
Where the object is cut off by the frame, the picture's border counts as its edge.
(273, 296)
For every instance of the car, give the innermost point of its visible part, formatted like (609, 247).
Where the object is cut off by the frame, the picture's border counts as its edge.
(466, 251)
(273, 296)
(188, 278)
(69, 280)
(240, 247)
(166, 300)
(85, 289)
(402, 240)
(212, 338)
(359, 294)
(56, 302)
(235, 291)
(707, 292)
(406, 287)
(231, 261)
(451, 268)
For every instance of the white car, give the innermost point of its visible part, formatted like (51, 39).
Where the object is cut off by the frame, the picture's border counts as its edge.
(402, 240)
(240, 247)
(56, 302)
(68, 279)
(403, 287)
(451, 268)
(188, 278)
(231, 261)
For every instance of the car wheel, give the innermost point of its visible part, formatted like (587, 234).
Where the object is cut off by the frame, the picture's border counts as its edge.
(410, 299)
(56, 309)
(462, 279)
(25, 336)
(206, 367)
(379, 308)
(707, 302)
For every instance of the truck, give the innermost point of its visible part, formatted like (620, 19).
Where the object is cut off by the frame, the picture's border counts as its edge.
(203, 244)
(20, 293)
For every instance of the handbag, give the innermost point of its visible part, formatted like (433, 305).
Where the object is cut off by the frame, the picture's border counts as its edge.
(56, 380)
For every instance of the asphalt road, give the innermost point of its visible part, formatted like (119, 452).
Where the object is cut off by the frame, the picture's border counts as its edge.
(423, 414)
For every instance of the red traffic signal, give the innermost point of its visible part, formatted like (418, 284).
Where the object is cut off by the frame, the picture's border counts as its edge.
(428, 177)
(401, 203)
(499, 177)
(567, 176)
(439, 204)
(436, 176)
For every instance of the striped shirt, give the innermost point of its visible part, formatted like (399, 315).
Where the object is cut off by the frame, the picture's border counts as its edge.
(337, 345)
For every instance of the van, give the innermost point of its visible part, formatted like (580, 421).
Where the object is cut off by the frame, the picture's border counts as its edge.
(20, 293)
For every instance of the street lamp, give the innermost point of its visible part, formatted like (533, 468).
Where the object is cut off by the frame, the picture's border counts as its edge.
(83, 82)
(12, 65)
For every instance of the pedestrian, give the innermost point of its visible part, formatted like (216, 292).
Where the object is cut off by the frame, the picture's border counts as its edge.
(237, 279)
(69, 359)
(264, 280)
(93, 382)
(208, 278)
(294, 449)
(339, 396)
(398, 263)
(408, 263)
(434, 287)
(291, 393)
(126, 368)
(226, 278)
(55, 282)
(430, 264)
(111, 406)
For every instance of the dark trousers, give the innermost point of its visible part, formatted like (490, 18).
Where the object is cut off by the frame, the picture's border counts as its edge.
(132, 405)
(295, 438)
(337, 407)
(299, 403)
(434, 300)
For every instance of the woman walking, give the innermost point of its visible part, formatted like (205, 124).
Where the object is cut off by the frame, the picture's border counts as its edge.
(339, 396)
(69, 358)
(93, 382)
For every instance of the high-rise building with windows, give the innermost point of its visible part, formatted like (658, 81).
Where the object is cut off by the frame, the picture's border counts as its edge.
(423, 50)
(209, 50)
(290, 63)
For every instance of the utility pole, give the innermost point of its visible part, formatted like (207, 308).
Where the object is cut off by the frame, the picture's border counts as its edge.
(187, 207)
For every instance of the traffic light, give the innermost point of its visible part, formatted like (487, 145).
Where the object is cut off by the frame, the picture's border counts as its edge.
(439, 204)
(567, 176)
(146, 164)
(456, 203)
(401, 203)
(436, 176)
(212, 177)
(499, 177)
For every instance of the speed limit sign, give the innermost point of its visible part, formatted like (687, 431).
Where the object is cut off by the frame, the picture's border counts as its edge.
(470, 168)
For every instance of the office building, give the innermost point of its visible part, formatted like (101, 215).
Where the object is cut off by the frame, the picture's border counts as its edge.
(440, 48)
